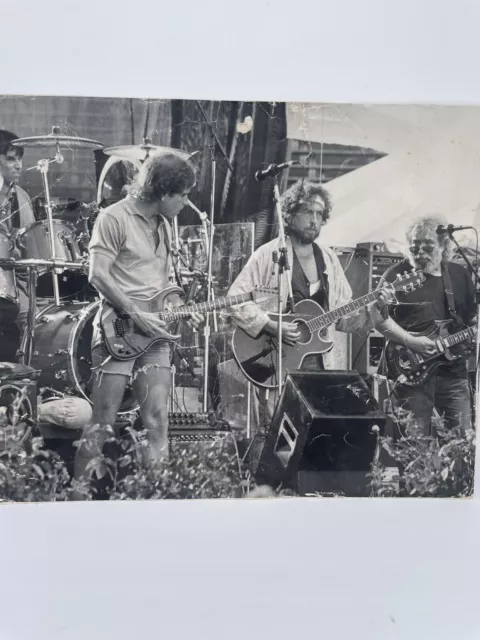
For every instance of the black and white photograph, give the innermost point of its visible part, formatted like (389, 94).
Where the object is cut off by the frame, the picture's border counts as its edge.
(223, 299)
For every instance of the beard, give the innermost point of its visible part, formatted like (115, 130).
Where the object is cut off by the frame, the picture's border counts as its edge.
(305, 236)
(428, 264)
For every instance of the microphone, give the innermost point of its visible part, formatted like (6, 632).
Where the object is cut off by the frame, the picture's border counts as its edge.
(450, 228)
(273, 170)
(203, 216)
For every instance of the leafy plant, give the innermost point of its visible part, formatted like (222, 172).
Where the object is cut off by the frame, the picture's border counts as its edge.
(441, 466)
(32, 474)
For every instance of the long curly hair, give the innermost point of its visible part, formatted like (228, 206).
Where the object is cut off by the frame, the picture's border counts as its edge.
(430, 223)
(161, 175)
(301, 193)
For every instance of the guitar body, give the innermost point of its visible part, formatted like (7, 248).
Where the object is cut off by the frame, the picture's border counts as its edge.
(413, 369)
(123, 339)
(258, 357)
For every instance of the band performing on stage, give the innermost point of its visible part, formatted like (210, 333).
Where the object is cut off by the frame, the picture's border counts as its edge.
(93, 309)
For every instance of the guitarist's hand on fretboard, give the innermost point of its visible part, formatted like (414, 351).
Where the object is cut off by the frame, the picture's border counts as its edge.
(196, 320)
(151, 325)
(385, 298)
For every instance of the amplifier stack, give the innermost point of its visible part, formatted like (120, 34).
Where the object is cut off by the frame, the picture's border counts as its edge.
(364, 268)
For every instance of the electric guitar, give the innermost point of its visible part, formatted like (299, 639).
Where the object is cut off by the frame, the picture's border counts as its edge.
(413, 369)
(258, 357)
(125, 341)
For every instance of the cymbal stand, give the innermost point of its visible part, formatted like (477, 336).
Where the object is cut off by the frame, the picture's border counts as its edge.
(43, 166)
(214, 145)
(32, 312)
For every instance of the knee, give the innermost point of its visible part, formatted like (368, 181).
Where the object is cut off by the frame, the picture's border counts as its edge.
(156, 417)
(70, 412)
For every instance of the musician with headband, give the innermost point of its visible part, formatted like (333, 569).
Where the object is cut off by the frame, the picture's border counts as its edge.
(315, 273)
(131, 261)
(15, 213)
(446, 295)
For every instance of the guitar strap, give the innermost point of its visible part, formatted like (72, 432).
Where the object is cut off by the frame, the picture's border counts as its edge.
(447, 283)
(16, 224)
(168, 246)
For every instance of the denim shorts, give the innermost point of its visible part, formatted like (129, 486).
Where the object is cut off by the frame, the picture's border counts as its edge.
(157, 356)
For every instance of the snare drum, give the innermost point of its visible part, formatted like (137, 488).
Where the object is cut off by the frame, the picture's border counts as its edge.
(34, 243)
(9, 306)
(62, 350)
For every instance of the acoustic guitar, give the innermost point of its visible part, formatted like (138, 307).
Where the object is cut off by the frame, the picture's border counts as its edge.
(125, 341)
(258, 357)
(413, 369)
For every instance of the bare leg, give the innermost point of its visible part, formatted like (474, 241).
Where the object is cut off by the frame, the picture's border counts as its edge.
(151, 386)
(107, 395)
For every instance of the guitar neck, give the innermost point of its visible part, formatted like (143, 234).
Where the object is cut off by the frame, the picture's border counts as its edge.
(459, 337)
(203, 307)
(320, 322)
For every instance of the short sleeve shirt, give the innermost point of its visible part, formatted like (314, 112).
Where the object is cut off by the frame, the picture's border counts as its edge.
(141, 268)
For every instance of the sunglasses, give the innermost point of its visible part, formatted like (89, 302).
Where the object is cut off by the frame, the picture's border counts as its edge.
(427, 248)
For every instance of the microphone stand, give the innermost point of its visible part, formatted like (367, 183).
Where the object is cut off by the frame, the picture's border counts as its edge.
(476, 281)
(214, 145)
(283, 267)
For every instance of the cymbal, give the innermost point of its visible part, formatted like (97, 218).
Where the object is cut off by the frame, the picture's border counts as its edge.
(142, 151)
(55, 139)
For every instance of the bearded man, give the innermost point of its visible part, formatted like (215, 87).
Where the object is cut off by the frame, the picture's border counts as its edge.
(446, 294)
(315, 273)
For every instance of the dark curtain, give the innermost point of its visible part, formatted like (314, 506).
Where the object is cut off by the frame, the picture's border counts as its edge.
(238, 196)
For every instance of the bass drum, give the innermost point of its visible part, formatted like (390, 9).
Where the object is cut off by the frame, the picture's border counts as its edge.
(62, 350)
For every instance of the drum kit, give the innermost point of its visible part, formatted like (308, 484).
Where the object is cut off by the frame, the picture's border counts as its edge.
(56, 340)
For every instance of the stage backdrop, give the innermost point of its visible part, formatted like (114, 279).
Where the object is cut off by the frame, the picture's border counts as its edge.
(171, 123)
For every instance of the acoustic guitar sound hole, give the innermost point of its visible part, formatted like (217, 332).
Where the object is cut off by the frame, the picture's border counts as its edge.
(305, 333)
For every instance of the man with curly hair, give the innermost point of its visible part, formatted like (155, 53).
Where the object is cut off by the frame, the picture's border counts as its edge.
(315, 273)
(130, 260)
(446, 294)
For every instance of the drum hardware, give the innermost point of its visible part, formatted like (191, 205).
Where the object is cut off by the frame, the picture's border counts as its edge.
(8, 285)
(112, 181)
(143, 151)
(26, 263)
(69, 327)
(58, 141)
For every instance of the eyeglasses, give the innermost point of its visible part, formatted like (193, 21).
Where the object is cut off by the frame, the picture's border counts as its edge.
(427, 248)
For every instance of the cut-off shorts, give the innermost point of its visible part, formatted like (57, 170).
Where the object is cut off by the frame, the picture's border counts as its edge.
(157, 356)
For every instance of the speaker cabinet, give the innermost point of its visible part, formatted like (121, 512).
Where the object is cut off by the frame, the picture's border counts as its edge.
(323, 434)
(364, 268)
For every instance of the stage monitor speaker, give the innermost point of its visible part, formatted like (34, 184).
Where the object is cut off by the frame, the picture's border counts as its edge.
(322, 437)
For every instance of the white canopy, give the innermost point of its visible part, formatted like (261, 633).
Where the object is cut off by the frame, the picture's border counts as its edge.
(432, 166)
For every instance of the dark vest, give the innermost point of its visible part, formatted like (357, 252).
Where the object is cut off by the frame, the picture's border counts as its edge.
(301, 284)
